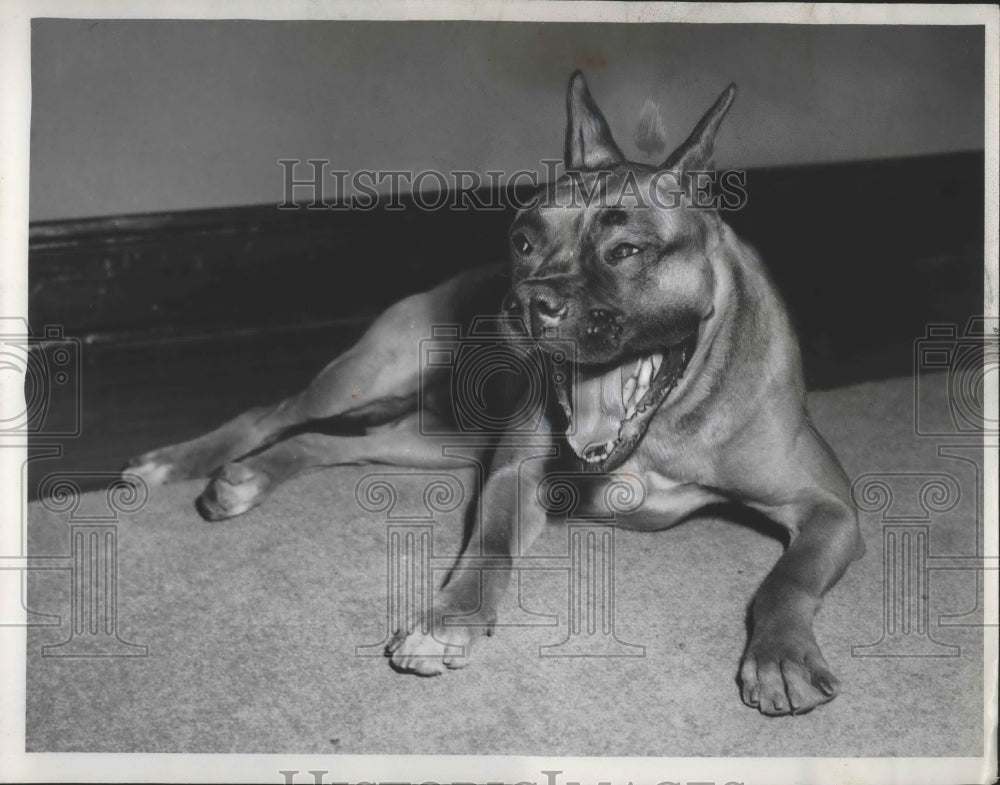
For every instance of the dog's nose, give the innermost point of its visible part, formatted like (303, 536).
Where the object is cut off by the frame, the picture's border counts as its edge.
(547, 307)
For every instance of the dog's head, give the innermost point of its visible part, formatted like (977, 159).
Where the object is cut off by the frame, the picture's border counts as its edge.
(613, 256)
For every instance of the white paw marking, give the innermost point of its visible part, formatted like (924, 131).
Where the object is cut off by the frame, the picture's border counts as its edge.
(235, 490)
(151, 473)
(236, 499)
(427, 655)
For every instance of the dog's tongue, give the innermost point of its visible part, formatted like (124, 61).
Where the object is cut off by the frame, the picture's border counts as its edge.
(597, 409)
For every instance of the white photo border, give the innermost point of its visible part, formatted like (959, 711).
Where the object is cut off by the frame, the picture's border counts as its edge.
(15, 102)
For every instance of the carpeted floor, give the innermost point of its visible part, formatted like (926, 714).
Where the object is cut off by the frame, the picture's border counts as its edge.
(252, 627)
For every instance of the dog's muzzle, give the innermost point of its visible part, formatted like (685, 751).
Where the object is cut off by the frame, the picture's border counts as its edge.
(544, 309)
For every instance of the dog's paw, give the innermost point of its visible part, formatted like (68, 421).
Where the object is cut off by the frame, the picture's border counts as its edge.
(429, 649)
(234, 489)
(153, 468)
(786, 675)
(429, 653)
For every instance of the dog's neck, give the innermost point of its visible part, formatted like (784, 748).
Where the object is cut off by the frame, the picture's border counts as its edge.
(744, 306)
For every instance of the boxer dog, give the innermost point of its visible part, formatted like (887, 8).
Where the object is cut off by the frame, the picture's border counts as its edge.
(687, 375)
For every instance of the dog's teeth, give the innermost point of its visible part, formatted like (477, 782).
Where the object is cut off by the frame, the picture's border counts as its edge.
(657, 362)
(629, 412)
(628, 389)
(645, 373)
(600, 452)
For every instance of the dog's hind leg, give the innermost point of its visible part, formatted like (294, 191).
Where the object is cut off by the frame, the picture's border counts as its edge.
(241, 485)
(376, 380)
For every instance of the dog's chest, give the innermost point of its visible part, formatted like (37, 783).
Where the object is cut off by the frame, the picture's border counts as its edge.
(628, 490)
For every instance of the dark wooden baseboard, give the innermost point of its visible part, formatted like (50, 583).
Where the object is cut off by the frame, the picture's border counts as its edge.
(250, 267)
(863, 252)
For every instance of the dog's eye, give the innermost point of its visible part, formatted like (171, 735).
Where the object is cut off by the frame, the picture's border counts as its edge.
(621, 251)
(521, 244)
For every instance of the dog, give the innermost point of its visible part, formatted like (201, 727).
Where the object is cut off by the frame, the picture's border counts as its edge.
(687, 375)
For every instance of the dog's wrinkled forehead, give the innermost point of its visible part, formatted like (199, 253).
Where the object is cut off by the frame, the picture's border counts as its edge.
(584, 202)
(619, 187)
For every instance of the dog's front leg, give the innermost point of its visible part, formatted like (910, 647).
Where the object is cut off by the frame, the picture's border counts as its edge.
(509, 520)
(783, 669)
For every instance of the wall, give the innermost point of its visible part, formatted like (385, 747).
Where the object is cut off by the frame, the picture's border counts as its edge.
(140, 116)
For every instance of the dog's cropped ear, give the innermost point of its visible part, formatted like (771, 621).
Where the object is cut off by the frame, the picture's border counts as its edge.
(589, 144)
(696, 152)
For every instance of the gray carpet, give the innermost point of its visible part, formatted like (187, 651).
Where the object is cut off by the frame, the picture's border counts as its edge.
(251, 627)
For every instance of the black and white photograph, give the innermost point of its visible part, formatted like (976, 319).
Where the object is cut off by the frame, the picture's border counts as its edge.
(541, 392)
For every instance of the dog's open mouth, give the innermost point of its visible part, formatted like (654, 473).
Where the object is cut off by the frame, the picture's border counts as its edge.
(609, 410)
